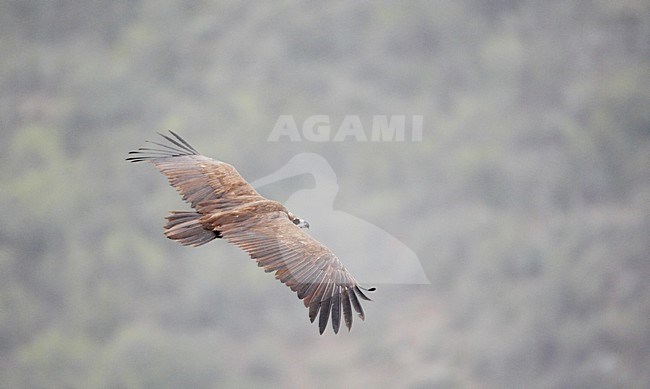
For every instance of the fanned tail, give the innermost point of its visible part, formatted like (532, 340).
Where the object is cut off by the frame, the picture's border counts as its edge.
(185, 228)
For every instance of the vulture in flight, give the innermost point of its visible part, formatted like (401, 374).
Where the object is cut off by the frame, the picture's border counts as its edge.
(225, 206)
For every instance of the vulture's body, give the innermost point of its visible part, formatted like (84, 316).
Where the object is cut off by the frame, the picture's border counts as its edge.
(226, 206)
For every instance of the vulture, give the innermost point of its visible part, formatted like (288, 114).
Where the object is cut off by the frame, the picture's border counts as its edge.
(225, 206)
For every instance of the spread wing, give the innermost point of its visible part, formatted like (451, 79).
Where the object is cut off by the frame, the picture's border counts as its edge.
(302, 263)
(197, 178)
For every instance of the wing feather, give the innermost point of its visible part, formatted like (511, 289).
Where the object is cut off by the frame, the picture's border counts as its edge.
(336, 309)
(325, 306)
(314, 307)
(356, 304)
(347, 309)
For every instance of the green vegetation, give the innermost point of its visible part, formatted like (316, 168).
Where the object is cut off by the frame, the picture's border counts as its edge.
(527, 202)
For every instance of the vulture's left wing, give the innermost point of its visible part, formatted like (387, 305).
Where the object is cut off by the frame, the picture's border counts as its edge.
(302, 263)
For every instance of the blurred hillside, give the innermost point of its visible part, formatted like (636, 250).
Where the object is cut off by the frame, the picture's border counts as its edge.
(527, 202)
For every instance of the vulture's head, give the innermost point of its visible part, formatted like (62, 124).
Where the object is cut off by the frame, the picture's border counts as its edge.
(298, 221)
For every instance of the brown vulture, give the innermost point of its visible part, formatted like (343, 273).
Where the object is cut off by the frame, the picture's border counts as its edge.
(226, 206)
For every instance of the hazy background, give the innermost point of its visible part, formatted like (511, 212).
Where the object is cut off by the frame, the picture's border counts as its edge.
(527, 201)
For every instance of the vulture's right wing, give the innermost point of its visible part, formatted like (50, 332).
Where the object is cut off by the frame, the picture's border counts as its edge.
(198, 178)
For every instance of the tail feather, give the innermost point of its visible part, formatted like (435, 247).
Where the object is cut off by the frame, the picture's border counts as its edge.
(185, 228)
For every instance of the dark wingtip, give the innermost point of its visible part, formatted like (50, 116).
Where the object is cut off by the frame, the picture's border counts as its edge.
(361, 294)
(176, 147)
(183, 143)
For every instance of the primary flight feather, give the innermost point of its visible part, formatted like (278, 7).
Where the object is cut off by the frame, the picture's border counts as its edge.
(226, 206)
